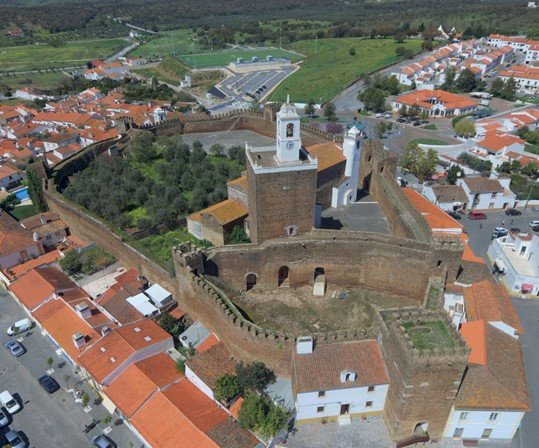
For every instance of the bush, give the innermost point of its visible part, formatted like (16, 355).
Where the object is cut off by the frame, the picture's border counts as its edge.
(226, 388)
(258, 413)
(86, 262)
(255, 376)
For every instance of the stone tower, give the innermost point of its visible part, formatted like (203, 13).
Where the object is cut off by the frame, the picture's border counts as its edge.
(281, 183)
(425, 371)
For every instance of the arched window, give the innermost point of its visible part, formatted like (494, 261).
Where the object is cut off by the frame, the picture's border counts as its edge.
(283, 275)
(290, 130)
(250, 281)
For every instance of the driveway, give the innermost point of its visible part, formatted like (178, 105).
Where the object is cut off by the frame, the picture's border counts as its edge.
(528, 311)
(46, 420)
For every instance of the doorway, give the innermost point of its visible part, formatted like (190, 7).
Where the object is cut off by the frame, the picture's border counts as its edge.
(283, 276)
(250, 281)
(345, 409)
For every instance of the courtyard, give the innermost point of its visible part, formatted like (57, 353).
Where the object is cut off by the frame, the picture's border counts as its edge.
(297, 311)
(363, 216)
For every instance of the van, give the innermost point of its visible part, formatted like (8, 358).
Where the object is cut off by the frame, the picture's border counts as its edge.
(19, 327)
(7, 400)
(476, 215)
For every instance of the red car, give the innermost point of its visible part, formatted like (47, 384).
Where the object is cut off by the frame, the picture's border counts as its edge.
(477, 215)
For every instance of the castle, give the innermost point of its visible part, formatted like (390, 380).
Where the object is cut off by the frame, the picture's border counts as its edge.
(285, 187)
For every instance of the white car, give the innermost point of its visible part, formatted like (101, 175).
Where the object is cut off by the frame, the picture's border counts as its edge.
(11, 405)
(379, 115)
(534, 223)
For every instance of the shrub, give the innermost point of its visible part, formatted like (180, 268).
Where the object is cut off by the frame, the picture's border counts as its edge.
(227, 387)
(258, 413)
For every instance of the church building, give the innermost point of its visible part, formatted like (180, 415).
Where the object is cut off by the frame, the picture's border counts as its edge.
(285, 187)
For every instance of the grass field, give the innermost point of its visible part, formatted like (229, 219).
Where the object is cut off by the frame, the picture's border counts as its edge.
(39, 80)
(170, 70)
(23, 211)
(222, 58)
(326, 73)
(173, 42)
(429, 141)
(30, 57)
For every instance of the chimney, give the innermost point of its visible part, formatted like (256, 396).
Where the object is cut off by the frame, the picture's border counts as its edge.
(79, 340)
(304, 345)
(83, 310)
(105, 330)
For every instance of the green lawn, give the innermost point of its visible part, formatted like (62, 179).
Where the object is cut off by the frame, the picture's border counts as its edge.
(39, 80)
(429, 335)
(429, 141)
(326, 73)
(430, 127)
(170, 70)
(161, 245)
(173, 42)
(23, 211)
(223, 58)
(30, 57)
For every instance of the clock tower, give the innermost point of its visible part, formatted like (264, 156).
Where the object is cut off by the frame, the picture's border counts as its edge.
(288, 133)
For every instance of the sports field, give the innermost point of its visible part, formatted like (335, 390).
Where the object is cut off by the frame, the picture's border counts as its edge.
(329, 66)
(172, 42)
(223, 58)
(34, 57)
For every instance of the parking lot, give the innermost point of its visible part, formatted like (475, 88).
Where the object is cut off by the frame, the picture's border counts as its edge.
(46, 420)
(480, 231)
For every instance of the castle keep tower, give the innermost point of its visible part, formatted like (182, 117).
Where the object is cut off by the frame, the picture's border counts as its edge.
(281, 183)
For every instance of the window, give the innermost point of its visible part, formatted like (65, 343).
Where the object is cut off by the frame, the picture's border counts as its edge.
(321, 393)
(463, 416)
(370, 389)
(368, 404)
(458, 432)
(493, 196)
(320, 409)
(493, 416)
(486, 433)
(289, 130)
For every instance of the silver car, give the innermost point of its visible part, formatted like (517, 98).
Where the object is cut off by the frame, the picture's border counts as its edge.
(15, 440)
(15, 348)
(4, 420)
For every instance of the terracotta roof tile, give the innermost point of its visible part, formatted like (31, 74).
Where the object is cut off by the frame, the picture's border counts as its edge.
(208, 343)
(39, 220)
(328, 155)
(212, 364)
(449, 193)
(321, 369)
(45, 259)
(475, 335)
(13, 238)
(226, 211)
(489, 301)
(483, 185)
(436, 218)
(240, 182)
(422, 97)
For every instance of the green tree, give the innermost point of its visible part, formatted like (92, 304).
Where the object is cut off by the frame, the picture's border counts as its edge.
(530, 169)
(381, 129)
(35, 189)
(466, 81)
(399, 51)
(330, 112)
(238, 236)
(226, 388)
(169, 324)
(403, 110)
(309, 108)
(374, 99)
(352, 51)
(449, 83)
(180, 365)
(141, 148)
(509, 90)
(497, 86)
(276, 420)
(255, 376)
(217, 149)
(428, 163)
(453, 174)
(71, 263)
(465, 128)
(258, 413)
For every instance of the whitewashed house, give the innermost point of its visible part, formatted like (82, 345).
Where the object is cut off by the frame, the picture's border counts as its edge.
(493, 396)
(446, 197)
(515, 258)
(338, 381)
(486, 193)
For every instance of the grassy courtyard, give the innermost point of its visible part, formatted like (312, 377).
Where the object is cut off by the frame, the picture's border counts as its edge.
(223, 58)
(34, 57)
(429, 335)
(329, 67)
(23, 211)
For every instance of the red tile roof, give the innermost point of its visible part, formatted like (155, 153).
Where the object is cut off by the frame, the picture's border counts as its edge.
(13, 238)
(212, 364)
(328, 155)
(422, 99)
(45, 259)
(475, 335)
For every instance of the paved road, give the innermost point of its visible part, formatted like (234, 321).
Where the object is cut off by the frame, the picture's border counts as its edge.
(480, 232)
(46, 420)
(528, 311)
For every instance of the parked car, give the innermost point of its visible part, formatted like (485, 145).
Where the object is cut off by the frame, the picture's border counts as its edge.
(48, 383)
(513, 212)
(417, 123)
(534, 224)
(499, 231)
(514, 229)
(102, 441)
(19, 327)
(476, 215)
(388, 115)
(11, 405)
(535, 228)
(535, 209)
(15, 440)
(454, 215)
(4, 419)
(15, 348)
(379, 115)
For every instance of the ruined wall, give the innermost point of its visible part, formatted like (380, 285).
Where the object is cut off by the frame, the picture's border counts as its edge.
(350, 259)
(423, 385)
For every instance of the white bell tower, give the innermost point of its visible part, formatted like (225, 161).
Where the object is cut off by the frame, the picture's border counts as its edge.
(288, 133)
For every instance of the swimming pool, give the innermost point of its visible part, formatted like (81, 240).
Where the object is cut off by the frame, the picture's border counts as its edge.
(22, 194)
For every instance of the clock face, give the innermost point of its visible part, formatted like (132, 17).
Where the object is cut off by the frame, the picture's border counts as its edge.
(289, 145)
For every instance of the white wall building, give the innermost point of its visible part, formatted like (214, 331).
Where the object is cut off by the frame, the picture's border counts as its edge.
(446, 197)
(485, 193)
(332, 382)
(516, 259)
